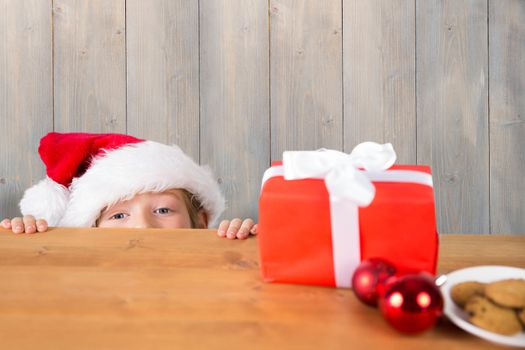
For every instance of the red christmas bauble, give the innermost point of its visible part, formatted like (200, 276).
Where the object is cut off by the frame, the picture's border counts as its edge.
(369, 278)
(412, 303)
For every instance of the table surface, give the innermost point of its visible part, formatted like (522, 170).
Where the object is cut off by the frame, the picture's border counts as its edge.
(138, 289)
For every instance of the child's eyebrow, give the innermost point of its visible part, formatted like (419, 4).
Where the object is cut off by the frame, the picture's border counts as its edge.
(115, 207)
(173, 193)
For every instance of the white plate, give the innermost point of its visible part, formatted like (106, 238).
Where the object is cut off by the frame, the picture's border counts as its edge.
(480, 274)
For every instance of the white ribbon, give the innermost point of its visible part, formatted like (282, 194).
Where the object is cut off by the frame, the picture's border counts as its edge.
(348, 188)
(342, 177)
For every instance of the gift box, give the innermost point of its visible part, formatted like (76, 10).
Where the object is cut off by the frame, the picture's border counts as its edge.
(315, 231)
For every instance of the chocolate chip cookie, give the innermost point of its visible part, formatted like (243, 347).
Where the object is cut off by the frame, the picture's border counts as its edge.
(487, 315)
(462, 292)
(509, 293)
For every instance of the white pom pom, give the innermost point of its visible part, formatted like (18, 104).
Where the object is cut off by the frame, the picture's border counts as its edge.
(45, 200)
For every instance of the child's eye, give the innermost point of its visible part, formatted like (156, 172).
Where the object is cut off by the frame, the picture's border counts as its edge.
(162, 211)
(118, 216)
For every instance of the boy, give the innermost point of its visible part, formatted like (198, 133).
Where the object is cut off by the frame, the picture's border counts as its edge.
(114, 180)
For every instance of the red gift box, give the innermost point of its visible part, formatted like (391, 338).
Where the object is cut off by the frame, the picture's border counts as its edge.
(295, 227)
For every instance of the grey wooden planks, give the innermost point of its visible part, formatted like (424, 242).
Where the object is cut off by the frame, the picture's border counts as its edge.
(452, 110)
(26, 96)
(163, 72)
(379, 75)
(89, 65)
(234, 121)
(507, 115)
(235, 83)
(306, 75)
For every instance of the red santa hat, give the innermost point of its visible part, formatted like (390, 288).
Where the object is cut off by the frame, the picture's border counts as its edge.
(88, 172)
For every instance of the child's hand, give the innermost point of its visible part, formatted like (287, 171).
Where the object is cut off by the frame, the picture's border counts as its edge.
(237, 228)
(27, 224)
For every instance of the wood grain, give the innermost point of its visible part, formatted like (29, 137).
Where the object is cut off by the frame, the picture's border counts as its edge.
(507, 115)
(235, 83)
(306, 76)
(234, 99)
(26, 96)
(89, 65)
(457, 251)
(162, 39)
(379, 75)
(452, 110)
(128, 288)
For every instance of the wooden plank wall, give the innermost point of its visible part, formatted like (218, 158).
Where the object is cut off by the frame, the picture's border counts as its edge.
(26, 95)
(234, 123)
(306, 92)
(236, 82)
(89, 53)
(379, 75)
(162, 43)
(507, 115)
(452, 108)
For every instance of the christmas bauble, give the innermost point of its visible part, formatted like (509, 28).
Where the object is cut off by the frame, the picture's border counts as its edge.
(369, 278)
(412, 303)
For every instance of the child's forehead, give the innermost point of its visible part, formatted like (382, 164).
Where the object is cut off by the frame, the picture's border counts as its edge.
(173, 193)
(170, 192)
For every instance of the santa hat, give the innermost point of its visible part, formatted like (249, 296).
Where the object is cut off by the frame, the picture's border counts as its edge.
(88, 172)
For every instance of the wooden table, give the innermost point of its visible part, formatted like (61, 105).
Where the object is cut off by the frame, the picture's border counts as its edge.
(180, 289)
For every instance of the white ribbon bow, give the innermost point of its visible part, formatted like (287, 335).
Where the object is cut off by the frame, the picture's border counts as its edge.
(340, 171)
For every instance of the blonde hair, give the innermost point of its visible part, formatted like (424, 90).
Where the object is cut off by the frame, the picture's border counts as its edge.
(194, 207)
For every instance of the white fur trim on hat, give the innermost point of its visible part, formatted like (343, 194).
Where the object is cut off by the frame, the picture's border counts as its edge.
(122, 173)
(45, 200)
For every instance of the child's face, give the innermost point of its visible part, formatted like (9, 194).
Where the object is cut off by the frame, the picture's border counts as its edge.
(148, 210)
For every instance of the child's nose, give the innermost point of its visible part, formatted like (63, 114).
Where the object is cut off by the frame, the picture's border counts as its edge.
(143, 221)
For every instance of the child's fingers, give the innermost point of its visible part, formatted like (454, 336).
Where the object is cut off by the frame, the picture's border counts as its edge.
(17, 225)
(6, 223)
(221, 232)
(41, 225)
(29, 224)
(235, 225)
(237, 228)
(244, 230)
